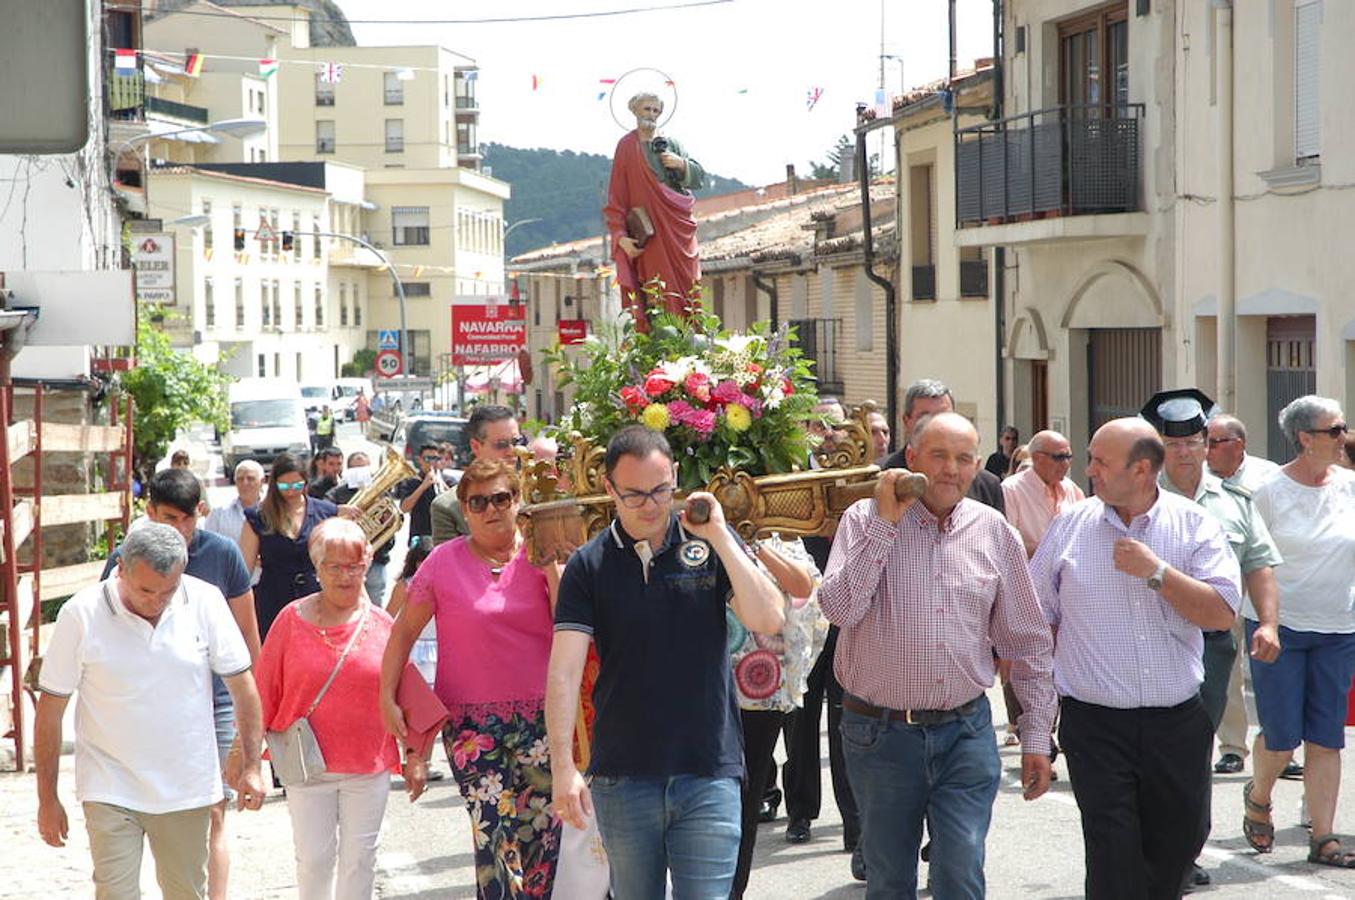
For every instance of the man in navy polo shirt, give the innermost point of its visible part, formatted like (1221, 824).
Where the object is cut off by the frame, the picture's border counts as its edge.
(667, 755)
(173, 499)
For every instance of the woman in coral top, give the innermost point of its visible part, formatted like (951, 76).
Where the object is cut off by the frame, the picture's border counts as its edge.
(336, 817)
(493, 613)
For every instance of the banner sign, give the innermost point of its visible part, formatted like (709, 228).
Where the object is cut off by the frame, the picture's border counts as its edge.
(153, 260)
(573, 331)
(487, 330)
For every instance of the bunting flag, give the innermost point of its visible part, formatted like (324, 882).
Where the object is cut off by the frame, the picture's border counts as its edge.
(811, 98)
(473, 75)
(192, 64)
(536, 82)
(331, 73)
(268, 68)
(124, 60)
(606, 81)
(602, 95)
(882, 109)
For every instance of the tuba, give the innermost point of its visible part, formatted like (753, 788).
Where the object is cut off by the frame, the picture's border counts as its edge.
(381, 517)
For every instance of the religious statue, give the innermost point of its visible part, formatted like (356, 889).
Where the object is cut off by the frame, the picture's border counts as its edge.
(649, 212)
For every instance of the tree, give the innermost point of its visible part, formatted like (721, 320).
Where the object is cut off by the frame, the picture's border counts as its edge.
(844, 149)
(363, 361)
(170, 390)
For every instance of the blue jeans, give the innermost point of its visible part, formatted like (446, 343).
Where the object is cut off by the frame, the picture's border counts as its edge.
(902, 773)
(375, 583)
(685, 824)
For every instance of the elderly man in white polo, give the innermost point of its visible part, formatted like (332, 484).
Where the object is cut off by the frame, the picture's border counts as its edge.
(139, 651)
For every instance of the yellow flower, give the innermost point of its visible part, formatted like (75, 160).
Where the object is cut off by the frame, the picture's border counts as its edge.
(738, 417)
(655, 416)
(506, 803)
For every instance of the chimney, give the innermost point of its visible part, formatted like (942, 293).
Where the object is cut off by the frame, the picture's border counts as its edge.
(790, 179)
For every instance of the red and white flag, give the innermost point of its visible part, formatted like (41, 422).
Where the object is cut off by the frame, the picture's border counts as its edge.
(331, 73)
(124, 60)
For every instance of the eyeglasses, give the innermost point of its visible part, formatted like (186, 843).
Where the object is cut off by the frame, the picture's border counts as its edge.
(1335, 431)
(430, 459)
(1215, 442)
(344, 568)
(1057, 457)
(503, 444)
(637, 499)
(289, 485)
(478, 503)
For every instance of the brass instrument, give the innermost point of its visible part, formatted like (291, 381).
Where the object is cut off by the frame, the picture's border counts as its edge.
(381, 517)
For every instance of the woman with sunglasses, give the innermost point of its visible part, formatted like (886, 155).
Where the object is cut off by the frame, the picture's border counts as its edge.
(275, 536)
(493, 611)
(1309, 506)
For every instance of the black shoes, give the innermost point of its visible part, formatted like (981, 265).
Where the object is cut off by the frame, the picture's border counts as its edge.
(1228, 764)
(797, 832)
(858, 864)
(771, 802)
(1293, 771)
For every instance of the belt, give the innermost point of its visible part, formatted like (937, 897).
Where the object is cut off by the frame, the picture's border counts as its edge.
(922, 717)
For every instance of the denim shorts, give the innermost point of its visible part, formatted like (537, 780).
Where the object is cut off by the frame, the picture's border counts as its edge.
(223, 711)
(1302, 695)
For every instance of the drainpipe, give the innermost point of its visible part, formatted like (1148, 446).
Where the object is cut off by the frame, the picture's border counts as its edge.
(891, 310)
(1227, 287)
(769, 288)
(999, 252)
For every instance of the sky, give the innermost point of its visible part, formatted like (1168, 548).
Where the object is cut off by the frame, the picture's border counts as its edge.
(741, 70)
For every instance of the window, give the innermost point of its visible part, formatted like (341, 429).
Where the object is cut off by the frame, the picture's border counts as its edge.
(262, 108)
(237, 216)
(263, 365)
(265, 307)
(343, 305)
(465, 138)
(357, 308)
(208, 305)
(277, 364)
(324, 92)
(315, 236)
(409, 225)
(297, 317)
(418, 289)
(1094, 61)
(277, 306)
(324, 135)
(207, 229)
(395, 89)
(296, 236)
(319, 307)
(1307, 84)
(239, 305)
(395, 135)
(274, 245)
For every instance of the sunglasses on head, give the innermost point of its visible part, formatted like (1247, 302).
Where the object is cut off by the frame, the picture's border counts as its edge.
(478, 503)
(1334, 431)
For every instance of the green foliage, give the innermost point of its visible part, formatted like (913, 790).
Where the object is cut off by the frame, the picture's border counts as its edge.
(170, 389)
(565, 190)
(619, 378)
(363, 361)
(831, 168)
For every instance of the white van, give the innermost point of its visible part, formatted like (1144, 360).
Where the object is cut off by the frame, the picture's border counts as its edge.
(268, 418)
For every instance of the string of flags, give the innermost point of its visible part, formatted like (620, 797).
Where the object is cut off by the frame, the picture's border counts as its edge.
(812, 97)
(330, 73)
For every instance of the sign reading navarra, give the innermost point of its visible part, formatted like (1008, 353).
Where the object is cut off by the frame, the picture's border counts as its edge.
(487, 330)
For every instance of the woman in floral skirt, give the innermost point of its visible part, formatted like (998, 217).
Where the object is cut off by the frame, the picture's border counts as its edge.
(493, 613)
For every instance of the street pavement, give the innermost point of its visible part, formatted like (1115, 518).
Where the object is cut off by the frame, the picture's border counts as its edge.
(1034, 849)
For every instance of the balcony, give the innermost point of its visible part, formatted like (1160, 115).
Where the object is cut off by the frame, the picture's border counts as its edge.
(1068, 172)
(924, 282)
(126, 94)
(185, 112)
(817, 339)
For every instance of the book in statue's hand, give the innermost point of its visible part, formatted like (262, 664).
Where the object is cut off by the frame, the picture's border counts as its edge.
(639, 227)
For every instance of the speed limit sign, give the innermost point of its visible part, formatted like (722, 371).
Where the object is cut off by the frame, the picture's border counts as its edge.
(388, 363)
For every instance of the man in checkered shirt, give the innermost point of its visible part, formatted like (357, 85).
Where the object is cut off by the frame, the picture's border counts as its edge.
(923, 591)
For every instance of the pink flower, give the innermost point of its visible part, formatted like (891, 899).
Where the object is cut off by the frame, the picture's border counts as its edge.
(727, 392)
(698, 387)
(679, 410)
(468, 746)
(702, 421)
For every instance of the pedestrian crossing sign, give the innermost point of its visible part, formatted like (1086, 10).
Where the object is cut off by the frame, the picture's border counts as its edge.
(266, 233)
(388, 339)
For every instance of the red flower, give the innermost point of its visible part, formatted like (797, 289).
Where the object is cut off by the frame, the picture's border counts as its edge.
(537, 880)
(634, 398)
(697, 386)
(786, 387)
(656, 383)
(755, 369)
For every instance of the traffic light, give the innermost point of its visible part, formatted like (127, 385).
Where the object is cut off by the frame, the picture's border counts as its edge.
(287, 239)
(239, 239)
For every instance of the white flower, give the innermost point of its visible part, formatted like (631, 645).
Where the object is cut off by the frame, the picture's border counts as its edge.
(677, 370)
(774, 396)
(537, 754)
(742, 344)
(490, 789)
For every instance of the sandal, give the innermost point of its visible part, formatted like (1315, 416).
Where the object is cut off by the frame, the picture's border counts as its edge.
(1341, 859)
(1256, 831)
(1011, 740)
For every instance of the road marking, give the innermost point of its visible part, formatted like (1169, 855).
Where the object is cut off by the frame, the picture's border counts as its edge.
(402, 874)
(1225, 856)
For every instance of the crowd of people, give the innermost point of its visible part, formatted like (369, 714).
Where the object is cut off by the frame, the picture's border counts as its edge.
(611, 719)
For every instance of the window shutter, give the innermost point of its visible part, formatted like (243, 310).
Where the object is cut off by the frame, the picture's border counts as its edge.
(1307, 39)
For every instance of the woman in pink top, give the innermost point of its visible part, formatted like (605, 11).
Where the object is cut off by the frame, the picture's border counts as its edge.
(336, 817)
(494, 620)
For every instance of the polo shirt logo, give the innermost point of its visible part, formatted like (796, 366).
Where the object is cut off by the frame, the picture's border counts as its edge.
(694, 554)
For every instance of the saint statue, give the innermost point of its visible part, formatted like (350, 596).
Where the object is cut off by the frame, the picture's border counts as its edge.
(649, 212)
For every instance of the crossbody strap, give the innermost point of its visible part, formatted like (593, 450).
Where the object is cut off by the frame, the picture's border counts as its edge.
(357, 632)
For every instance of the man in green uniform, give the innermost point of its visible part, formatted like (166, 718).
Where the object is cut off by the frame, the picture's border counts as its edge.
(1180, 416)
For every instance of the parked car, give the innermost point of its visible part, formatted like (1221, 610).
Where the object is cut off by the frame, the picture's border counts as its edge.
(268, 418)
(345, 395)
(316, 396)
(418, 429)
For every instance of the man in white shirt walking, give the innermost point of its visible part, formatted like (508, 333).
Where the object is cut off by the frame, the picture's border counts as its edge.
(139, 650)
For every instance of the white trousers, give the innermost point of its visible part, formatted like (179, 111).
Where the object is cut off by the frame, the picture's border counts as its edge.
(336, 825)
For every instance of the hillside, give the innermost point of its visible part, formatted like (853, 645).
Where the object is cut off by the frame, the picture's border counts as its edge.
(566, 190)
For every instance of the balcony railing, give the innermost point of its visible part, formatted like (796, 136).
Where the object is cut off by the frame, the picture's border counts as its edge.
(1066, 160)
(177, 110)
(973, 278)
(126, 94)
(924, 282)
(466, 104)
(817, 339)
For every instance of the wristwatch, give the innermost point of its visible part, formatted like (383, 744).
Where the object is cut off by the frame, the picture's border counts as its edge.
(1155, 579)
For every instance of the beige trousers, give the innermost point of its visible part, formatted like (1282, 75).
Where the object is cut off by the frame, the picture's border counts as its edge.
(178, 843)
(1233, 728)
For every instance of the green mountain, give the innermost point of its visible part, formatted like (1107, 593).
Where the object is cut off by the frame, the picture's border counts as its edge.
(565, 190)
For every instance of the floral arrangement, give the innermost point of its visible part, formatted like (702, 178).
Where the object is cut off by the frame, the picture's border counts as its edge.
(722, 399)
